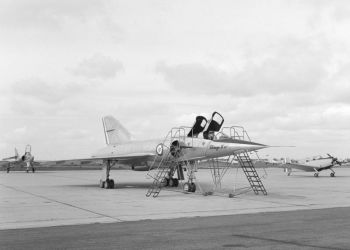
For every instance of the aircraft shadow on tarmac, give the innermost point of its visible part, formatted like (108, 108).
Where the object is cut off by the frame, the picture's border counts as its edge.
(124, 185)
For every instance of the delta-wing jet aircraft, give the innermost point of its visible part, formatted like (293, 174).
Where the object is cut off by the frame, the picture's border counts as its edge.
(27, 160)
(316, 165)
(202, 142)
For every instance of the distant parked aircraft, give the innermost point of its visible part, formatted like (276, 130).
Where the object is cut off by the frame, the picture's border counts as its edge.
(27, 160)
(316, 165)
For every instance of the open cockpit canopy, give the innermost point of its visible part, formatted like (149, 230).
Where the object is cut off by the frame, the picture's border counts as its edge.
(198, 126)
(214, 125)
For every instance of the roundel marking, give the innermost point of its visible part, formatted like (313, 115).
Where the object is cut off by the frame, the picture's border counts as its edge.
(159, 149)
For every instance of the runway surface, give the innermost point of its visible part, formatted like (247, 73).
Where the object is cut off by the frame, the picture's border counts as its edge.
(34, 202)
(306, 229)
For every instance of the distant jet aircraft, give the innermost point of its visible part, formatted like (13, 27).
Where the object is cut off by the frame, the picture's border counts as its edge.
(316, 165)
(16, 160)
(199, 143)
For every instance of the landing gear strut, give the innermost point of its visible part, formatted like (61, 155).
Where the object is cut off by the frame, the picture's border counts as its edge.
(105, 182)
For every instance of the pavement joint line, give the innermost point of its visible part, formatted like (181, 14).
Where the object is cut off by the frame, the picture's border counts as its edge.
(63, 203)
(288, 242)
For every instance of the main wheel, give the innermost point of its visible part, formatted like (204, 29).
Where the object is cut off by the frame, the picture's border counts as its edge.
(187, 187)
(111, 184)
(176, 182)
(316, 174)
(102, 184)
(33, 170)
(332, 174)
(171, 182)
(164, 182)
(192, 187)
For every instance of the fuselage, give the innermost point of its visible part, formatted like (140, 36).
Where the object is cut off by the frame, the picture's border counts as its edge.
(312, 165)
(144, 152)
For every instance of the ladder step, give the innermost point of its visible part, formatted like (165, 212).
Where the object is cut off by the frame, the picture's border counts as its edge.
(251, 174)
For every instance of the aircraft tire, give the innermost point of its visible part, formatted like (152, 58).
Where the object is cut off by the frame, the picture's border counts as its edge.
(332, 174)
(111, 184)
(164, 182)
(176, 182)
(192, 187)
(102, 184)
(316, 174)
(186, 187)
(27, 171)
(33, 170)
(171, 182)
(108, 184)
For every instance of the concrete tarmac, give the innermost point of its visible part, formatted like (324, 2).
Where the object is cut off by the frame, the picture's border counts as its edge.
(58, 198)
(305, 229)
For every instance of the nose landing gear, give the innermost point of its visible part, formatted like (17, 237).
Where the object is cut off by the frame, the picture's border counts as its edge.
(189, 187)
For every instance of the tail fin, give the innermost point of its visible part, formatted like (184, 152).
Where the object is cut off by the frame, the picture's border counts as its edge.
(114, 131)
(16, 154)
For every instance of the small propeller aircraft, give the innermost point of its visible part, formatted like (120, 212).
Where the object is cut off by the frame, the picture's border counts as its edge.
(27, 159)
(316, 165)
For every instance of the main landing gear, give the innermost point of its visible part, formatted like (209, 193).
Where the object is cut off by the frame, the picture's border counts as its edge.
(189, 187)
(332, 174)
(105, 181)
(170, 182)
(108, 184)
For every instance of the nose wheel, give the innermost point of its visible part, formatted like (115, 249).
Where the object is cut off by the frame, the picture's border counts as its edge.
(189, 187)
(332, 174)
(107, 184)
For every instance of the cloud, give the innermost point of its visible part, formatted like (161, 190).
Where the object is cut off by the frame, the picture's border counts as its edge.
(20, 131)
(289, 66)
(48, 14)
(56, 20)
(35, 96)
(98, 66)
(43, 91)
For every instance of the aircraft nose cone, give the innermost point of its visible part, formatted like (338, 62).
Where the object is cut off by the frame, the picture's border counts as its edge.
(247, 145)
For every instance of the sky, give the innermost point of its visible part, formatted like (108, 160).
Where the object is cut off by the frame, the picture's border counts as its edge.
(279, 68)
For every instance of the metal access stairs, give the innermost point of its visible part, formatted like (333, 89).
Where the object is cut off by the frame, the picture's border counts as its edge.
(166, 163)
(251, 173)
(160, 179)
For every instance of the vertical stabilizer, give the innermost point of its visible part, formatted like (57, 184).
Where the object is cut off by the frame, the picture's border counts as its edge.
(16, 154)
(114, 131)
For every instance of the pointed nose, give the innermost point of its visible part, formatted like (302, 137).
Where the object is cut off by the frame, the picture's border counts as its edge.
(246, 145)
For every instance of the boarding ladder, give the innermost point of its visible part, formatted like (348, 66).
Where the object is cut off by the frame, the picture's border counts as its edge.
(160, 179)
(251, 173)
(239, 133)
(167, 163)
